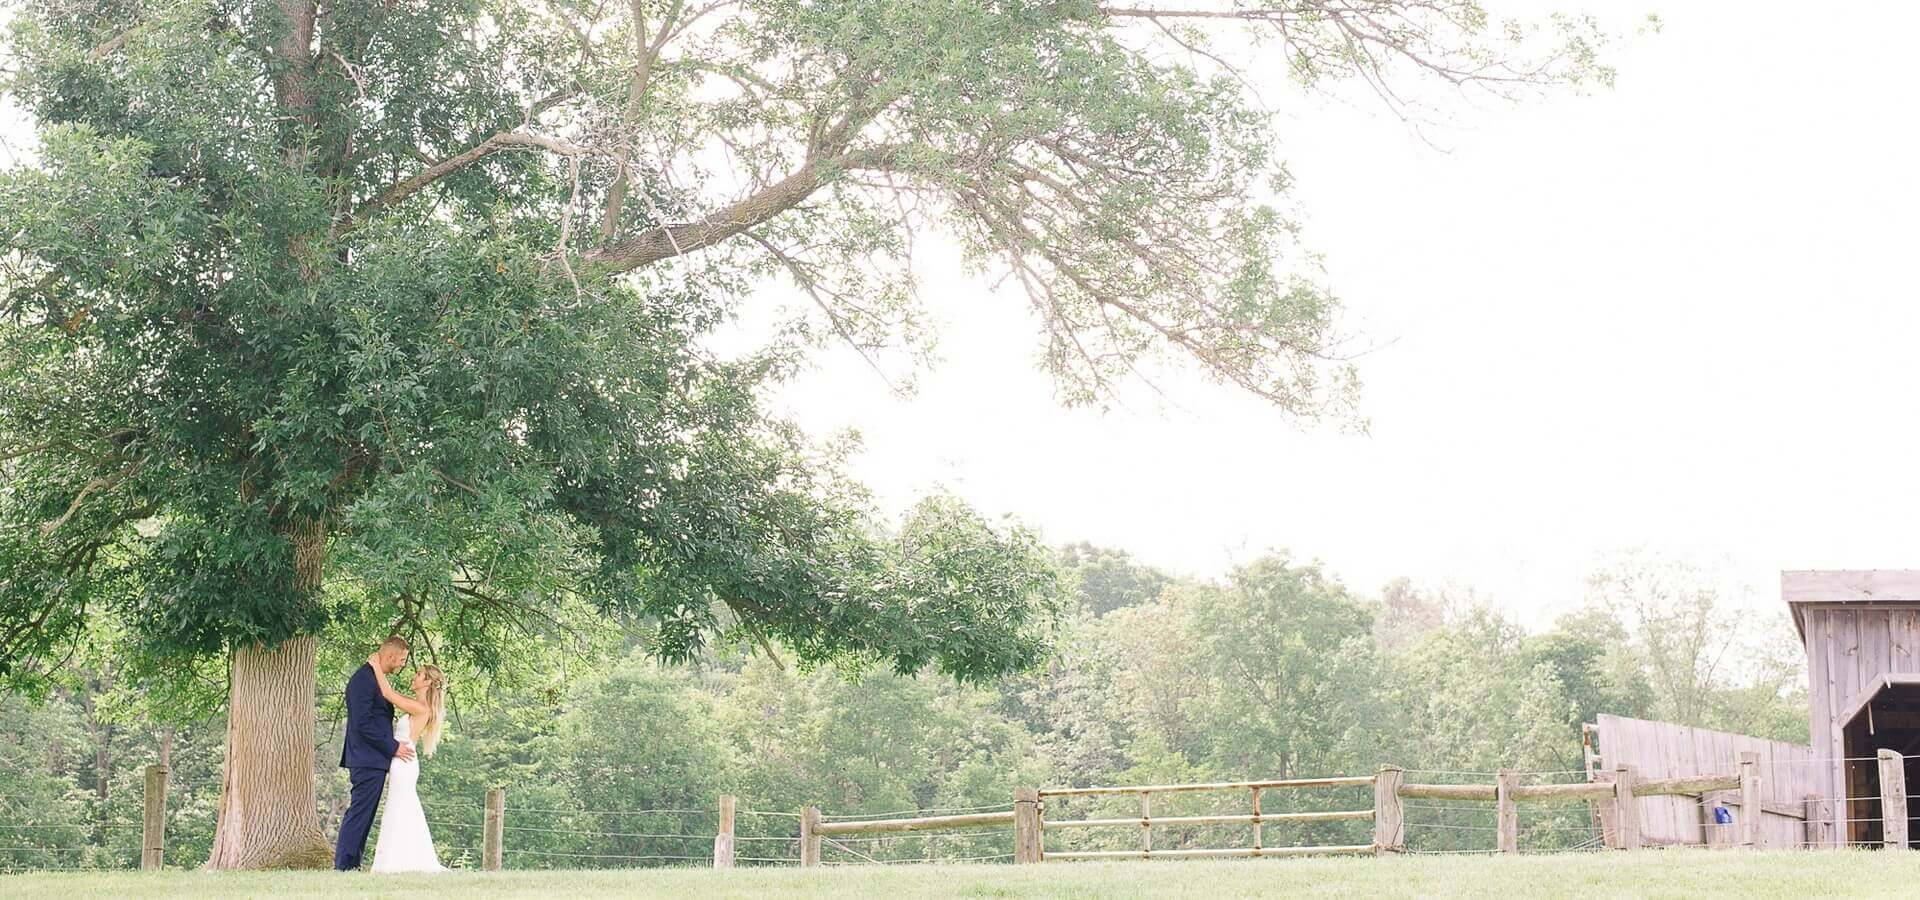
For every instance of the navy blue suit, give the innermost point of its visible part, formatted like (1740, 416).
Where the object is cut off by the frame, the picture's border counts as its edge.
(366, 754)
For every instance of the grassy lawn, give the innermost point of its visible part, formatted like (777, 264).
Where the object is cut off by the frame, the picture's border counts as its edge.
(1673, 873)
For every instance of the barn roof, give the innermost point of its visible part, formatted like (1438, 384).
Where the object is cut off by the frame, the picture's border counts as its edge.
(1847, 587)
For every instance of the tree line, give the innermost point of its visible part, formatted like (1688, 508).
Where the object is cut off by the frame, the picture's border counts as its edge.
(1276, 670)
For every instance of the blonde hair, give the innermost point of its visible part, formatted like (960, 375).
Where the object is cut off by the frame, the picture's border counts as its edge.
(435, 697)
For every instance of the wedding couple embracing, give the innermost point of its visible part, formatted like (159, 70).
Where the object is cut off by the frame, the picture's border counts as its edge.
(382, 757)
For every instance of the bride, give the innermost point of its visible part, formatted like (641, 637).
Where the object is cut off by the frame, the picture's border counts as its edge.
(405, 843)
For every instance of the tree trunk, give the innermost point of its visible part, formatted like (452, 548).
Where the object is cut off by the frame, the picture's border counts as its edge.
(103, 779)
(268, 818)
(102, 734)
(267, 814)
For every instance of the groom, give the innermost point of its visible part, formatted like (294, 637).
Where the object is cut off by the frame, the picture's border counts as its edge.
(368, 750)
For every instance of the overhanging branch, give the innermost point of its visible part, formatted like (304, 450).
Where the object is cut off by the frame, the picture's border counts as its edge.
(111, 44)
(668, 241)
(462, 160)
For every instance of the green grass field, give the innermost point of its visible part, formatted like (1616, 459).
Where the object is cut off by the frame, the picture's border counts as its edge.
(1673, 873)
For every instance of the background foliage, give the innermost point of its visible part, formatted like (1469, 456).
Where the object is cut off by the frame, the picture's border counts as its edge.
(1277, 670)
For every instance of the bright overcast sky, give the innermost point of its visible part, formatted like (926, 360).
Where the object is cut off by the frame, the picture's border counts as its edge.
(1674, 314)
(1677, 314)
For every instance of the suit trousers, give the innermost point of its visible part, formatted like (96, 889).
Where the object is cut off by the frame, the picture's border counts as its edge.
(367, 786)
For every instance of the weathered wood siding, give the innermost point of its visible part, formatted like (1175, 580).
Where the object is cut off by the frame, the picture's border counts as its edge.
(1849, 648)
(1850, 586)
(1788, 775)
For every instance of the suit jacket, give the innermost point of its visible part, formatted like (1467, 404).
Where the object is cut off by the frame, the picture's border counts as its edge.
(369, 742)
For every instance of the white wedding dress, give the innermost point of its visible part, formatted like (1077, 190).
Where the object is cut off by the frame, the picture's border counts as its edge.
(405, 843)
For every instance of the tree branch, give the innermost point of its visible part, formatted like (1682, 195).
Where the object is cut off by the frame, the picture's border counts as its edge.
(808, 283)
(116, 42)
(646, 53)
(668, 241)
(10, 455)
(101, 483)
(1245, 15)
(552, 100)
(456, 163)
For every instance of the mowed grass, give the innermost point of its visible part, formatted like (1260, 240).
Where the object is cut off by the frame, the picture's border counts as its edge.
(1654, 873)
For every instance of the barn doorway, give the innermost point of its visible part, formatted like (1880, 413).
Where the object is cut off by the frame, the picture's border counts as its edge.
(1889, 719)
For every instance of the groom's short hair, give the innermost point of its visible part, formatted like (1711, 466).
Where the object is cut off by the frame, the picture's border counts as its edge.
(395, 642)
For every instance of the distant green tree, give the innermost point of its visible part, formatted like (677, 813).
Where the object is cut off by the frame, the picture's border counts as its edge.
(1708, 662)
(1074, 705)
(1479, 701)
(1107, 579)
(47, 817)
(1405, 614)
(639, 738)
(1479, 697)
(1583, 652)
(1290, 655)
(1765, 694)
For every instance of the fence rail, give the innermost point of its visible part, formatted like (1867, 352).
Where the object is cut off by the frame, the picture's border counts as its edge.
(1615, 804)
(1211, 786)
(1147, 821)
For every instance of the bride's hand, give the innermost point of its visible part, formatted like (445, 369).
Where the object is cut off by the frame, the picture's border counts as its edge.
(373, 659)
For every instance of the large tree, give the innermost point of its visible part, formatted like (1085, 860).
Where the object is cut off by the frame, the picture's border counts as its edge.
(406, 295)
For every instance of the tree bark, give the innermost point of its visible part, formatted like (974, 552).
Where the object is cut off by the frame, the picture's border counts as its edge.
(267, 815)
(668, 241)
(268, 818)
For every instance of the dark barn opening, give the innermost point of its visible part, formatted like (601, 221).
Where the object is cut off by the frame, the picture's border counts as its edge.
(1888, 720)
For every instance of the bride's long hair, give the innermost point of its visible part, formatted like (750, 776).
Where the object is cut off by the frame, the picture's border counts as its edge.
(435, 697)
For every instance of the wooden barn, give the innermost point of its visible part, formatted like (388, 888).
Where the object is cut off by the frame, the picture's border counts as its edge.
(1861, 630)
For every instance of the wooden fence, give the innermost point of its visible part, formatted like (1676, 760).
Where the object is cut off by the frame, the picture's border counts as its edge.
(1254, 819)
(1619, 803)
(1789, 774)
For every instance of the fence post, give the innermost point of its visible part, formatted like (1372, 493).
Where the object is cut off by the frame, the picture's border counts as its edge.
(493, 830)
(1258, 837)
(1626, 812)
(1389, 818)
(1146, 823)
(1508, 813)
(1893, 799)
(153, 826)
(1026, 825)
(723, 838)
(810, 836)
(1813, 832)
(1750, 803)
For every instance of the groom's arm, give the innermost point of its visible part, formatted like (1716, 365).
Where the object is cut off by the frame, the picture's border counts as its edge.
(366, 717)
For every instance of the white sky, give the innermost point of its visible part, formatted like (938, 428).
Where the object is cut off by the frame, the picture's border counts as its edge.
(1676, 314)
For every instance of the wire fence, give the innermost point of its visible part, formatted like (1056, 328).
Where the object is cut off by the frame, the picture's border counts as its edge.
(1454, 827)
(1472, 826)
(67, 845)
(556, 837)
(549, 837)
(920, 847)
(1274, 805)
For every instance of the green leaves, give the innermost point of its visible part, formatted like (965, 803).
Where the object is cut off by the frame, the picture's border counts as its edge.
(329, 296)
(492, 455)
(960, 594)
